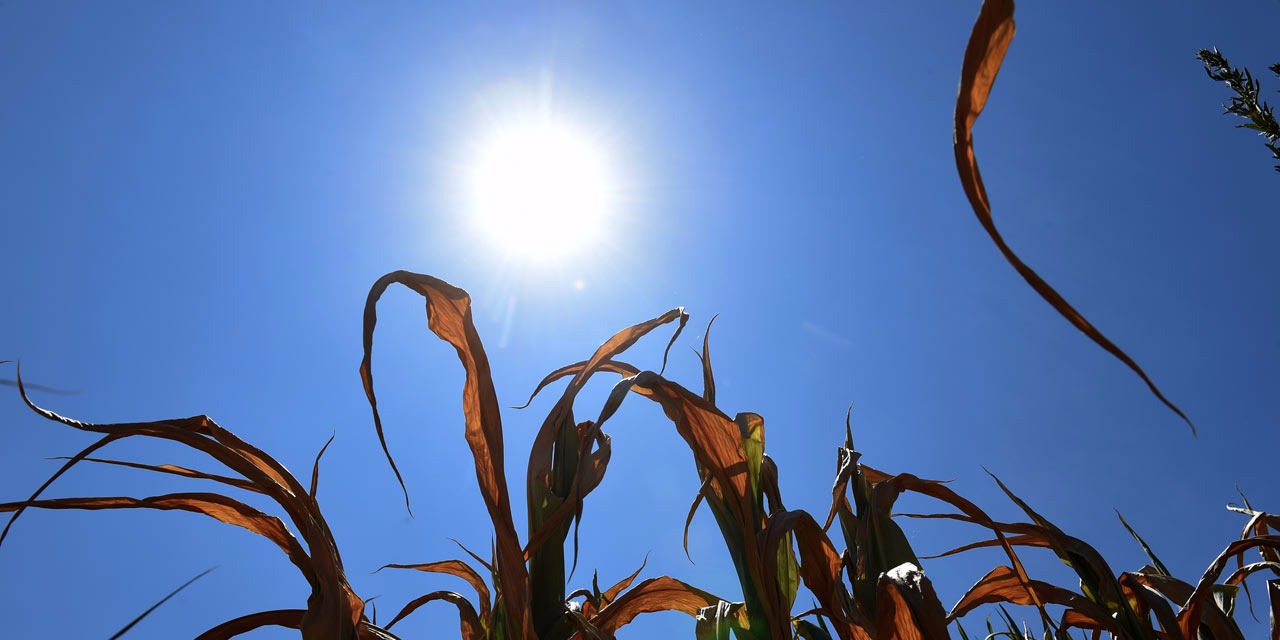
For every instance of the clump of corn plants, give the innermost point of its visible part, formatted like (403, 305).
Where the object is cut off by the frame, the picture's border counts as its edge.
(875, 587)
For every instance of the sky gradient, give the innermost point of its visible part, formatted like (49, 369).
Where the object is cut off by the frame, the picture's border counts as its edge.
(197, 198)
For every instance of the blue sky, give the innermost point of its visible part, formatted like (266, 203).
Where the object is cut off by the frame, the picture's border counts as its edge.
(198, 196)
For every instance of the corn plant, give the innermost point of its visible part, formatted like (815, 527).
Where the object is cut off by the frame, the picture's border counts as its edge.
(876, 588)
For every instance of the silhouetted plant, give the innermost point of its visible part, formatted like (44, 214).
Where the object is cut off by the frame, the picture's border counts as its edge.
(1245, 103)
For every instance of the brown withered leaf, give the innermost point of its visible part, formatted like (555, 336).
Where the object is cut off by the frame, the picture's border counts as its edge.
(1074, 619)
(612, 366)
(468, 620)
(1002, 584)
(939, 491)
(612, 592)
(988, 43)
(1025, 540)
(287, 618)
(1247, 570)
(334, 610)
(214, 505)
(649, 596)
(1190, 616)
(454, 568)
(449, 317)
(171, 469)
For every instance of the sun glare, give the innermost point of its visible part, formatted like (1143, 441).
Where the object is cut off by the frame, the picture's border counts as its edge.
(541, 190)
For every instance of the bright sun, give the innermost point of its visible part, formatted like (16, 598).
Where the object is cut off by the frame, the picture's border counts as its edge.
(540, 190)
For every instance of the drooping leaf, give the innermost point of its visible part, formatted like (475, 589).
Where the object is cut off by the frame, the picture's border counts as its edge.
(612, 592)
(652, 595)
(287, 618)
(454, 568)
(214, 505)
(1002, 584)
(449, 318)
(1097, 580)
(611, 366)
(971, 513)
(333, 608)
(992, 34)
(467, 618)
(171, 469)
(1190, 616)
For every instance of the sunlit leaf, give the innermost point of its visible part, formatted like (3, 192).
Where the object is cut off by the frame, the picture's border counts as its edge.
(449, 317)
(468, 620)
(453, 568)
(982, 59)
(649, 596)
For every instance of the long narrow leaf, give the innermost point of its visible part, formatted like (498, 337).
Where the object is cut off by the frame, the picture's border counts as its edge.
(988, 43)
(449, 318)
(142, 616)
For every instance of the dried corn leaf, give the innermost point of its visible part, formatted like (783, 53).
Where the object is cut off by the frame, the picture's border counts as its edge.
(287, 618)
(1002, 584)
(454, 568)
(652, 595)
(611, 366)
(214, 505)
(982, 59)
(1191, 614)
(468, 620)
(171, 469)
(449, 317)
(334, 610)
